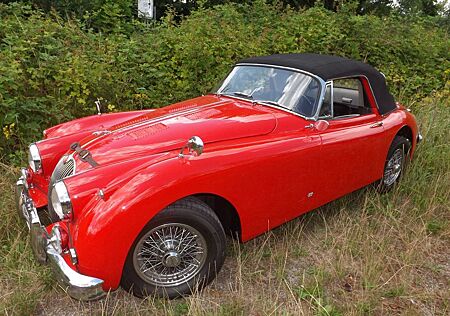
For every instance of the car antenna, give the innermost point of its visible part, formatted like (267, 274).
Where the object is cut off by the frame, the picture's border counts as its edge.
(98, 105)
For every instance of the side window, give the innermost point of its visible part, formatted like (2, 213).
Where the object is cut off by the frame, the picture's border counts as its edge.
(349, 98)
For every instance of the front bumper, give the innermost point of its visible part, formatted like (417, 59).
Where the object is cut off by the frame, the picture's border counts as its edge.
(419, 137)
(46, 249)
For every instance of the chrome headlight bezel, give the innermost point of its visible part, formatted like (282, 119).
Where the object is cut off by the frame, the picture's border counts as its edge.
(34, 158)
(60, 199)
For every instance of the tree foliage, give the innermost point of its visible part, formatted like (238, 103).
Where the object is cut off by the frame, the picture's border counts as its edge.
(97, 12)
(52, 69)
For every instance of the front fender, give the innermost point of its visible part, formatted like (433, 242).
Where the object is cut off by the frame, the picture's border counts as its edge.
(103, 235)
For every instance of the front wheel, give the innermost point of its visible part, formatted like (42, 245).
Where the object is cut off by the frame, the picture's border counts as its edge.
(395, 163)
(180, 250)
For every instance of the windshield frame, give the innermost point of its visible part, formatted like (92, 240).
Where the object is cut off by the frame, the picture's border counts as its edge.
(320, 98)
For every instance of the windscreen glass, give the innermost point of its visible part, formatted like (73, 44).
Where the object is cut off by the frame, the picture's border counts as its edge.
(292, 90)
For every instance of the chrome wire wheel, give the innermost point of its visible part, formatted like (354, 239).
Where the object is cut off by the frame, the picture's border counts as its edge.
(170, 254)
(393, 167)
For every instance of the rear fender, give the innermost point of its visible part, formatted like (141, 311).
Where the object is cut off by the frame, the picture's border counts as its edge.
(394, 122)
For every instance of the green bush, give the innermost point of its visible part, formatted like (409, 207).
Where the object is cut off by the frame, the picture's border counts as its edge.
(52, 70)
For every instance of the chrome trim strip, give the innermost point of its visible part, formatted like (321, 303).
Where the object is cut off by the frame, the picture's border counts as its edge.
(78, 286)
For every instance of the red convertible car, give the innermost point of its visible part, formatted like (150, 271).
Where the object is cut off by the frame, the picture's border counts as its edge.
(144, 199)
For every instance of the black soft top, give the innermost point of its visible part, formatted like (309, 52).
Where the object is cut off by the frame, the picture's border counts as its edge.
(330, 67)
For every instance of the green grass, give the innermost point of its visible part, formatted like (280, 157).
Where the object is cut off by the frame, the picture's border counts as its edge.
(364, 254)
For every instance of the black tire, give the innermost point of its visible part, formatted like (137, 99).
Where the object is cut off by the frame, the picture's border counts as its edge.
(401, 145)
(190, 213)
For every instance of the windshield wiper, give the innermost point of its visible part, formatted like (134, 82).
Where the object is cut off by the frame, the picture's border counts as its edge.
(249, 96)
(243, 94)
(236, 94)
(269, 102)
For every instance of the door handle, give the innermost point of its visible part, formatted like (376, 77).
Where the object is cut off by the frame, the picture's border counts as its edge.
(377, 124)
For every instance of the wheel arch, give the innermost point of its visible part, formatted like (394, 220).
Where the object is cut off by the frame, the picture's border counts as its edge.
(225, 211)
(407, 132)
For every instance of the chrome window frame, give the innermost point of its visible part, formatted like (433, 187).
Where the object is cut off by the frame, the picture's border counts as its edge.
(351, 77)
(329, 83)
(320, 98)
(368, 81)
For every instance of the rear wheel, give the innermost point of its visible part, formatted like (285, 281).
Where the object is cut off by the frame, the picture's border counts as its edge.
(180, 250)
(395, 163)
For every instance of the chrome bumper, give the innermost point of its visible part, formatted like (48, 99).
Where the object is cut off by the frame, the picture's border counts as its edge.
(45, 248)
(419, 138)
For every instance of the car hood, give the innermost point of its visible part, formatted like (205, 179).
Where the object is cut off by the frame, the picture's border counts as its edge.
(211, 118)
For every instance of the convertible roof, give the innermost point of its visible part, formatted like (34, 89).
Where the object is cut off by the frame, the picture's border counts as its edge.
(330, 67)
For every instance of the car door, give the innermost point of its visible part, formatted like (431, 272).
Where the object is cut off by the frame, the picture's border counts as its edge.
(352, 151)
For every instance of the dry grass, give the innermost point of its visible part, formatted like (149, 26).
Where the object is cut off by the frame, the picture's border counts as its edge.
(363, 254)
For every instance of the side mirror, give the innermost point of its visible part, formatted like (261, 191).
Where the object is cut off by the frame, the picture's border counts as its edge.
(194, 145)
(321, 125)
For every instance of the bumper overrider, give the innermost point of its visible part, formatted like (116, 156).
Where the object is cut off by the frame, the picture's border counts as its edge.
(47, 249)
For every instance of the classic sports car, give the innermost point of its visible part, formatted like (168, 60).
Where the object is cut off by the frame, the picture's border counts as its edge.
(144, 199)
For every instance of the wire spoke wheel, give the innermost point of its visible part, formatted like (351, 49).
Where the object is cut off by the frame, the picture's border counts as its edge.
(393, 167)
(170, 254)
(180, 250)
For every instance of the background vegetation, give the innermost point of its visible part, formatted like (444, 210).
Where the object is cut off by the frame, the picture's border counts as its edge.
(52, 69)
(96, 12)
(364, 254)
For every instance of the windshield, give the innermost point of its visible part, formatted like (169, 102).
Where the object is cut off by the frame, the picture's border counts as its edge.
(289, 89)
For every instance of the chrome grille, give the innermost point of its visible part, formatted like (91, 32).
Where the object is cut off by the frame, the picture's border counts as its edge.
(63, 169)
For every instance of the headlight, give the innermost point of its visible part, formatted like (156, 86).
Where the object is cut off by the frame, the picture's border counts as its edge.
(34, 158)
(61, 200)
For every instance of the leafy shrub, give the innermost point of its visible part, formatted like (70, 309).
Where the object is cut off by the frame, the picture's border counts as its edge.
(52, 70)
